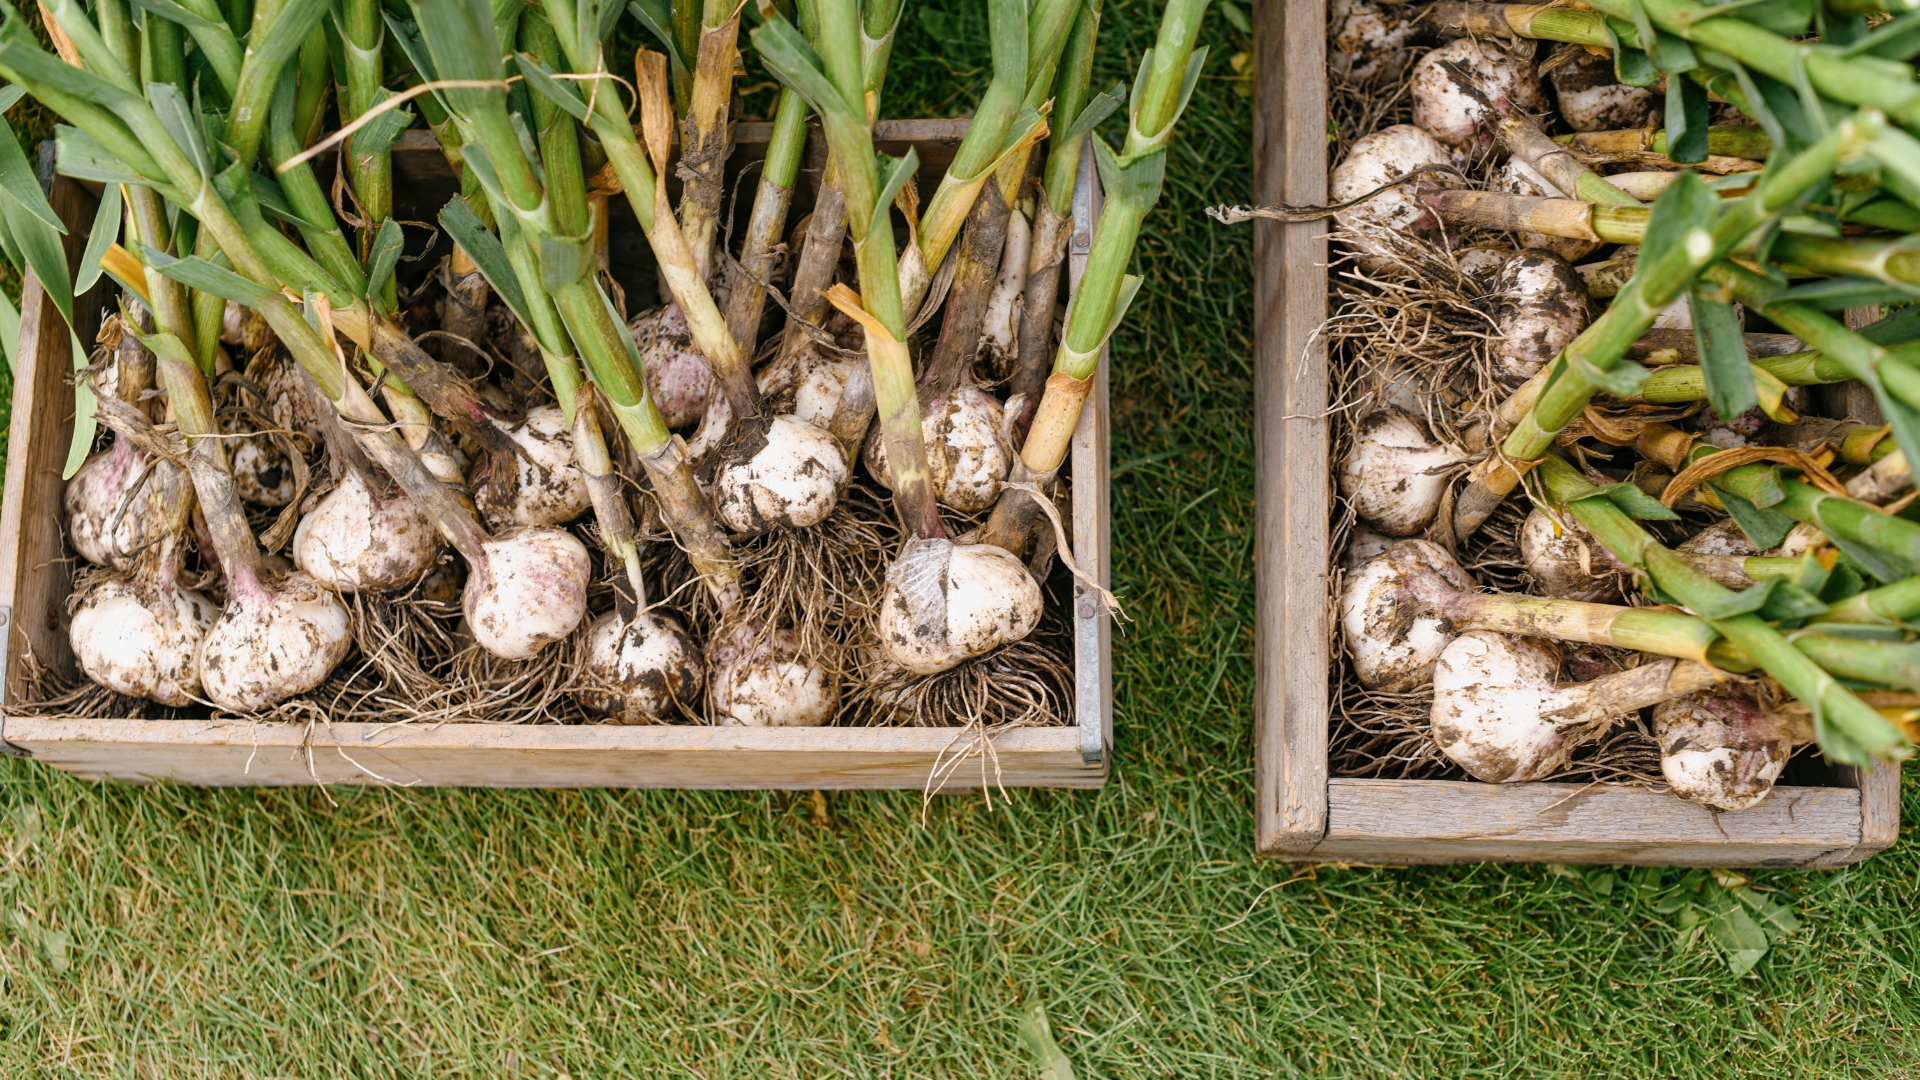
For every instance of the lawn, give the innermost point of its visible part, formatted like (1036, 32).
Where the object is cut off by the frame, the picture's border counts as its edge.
(173, 932)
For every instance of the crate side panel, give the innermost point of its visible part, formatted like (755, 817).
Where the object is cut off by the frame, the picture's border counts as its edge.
(1456, 821)
(483, 755)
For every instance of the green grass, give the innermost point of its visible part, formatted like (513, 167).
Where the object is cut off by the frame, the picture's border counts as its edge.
(172, 932)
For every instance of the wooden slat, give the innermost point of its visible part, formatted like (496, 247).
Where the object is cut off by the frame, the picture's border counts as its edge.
(1440, 821)
(1290, 432)
(485, 755)
(34, 581)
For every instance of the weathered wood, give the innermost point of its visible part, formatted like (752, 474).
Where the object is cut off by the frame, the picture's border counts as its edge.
(226, 754)
(1290, 432)
(34, 579)
(1439, 821)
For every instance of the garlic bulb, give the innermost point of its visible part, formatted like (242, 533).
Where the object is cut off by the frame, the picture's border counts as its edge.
(95, 492)
(790, 476)
(758, 678)
(1721, 749)
(1591, 99)
(1451, 108)
(1568, 562)
(1368, 43)
(679, 378)
(548, 488)
(1381, 158)
(271, 645)
(1002, 320)
(1540, 306)
(1393, 475)
(1392, 639)
(142, 642)
(967, 454)
(534, 591)
(947, 602)
(354, 541)
(641, 672)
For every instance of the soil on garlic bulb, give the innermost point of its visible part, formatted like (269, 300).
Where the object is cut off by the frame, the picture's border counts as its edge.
(645, 670)
(1491, 692)
(1394, 475)
(1540, 307)
(968, 454)
(272, 643)
(678, 378)
(1380, 159)
(141, 640)
(1721, 749)
(547, 488)
(947, 602)
(787, 473)
(1392, 641)
(1454, 85)
(757, 676)
(95, 495)
(1368, 44)
(1591, 99)
(356, 540)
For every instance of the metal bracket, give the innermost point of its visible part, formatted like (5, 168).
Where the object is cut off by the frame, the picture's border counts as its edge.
(1092, 684)
(6, 640)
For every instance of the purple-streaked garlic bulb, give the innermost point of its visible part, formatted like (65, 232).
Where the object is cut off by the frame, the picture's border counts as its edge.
(1392, 639)
(1721, 749)
(1379, 159)
(1368, 43)
(96, 493)
(968, 455)
(641, 671)
(140, 639)
(946, 603)
(1394, 475)
(548, 488)
(1567, 562)
(788, 474)
(1458, 88)
(532, 592)
(679, 378)
(1540, 305)
(355, 540)
(1519, 178)
(1592, 100)
(759, 677)
(271, 644)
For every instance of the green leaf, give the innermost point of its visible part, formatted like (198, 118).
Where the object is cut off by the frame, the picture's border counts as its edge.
(896, 171)
(1094, 112)
(1687, 119)
(1835, 294)
(791, 60)
(382, 131)
(1788, 602)
(1631, 66)
(1685, 205)
(1733, 931)
(1723, 354)
(1672, 55)
(181, 123)
(486, 251)
(1764, 528)
(80, 155)
(564, 260)
(106, 229)
(17, 178)
(658, 19)
(543, 82)
(9, 330)
(285, 34)
(388, 242)
(85, 427)
(36, 67)
(41, 249)
(197, 273)
(1631, 501)
(10, 96)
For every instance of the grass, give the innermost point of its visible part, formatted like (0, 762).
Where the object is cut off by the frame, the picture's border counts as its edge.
(173, 932)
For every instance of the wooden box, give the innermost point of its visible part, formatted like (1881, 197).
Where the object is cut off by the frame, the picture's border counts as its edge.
(1302, 813)
(34, 582)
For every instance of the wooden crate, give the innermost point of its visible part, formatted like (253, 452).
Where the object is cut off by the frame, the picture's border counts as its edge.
(1301, 812)
(34, 582)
